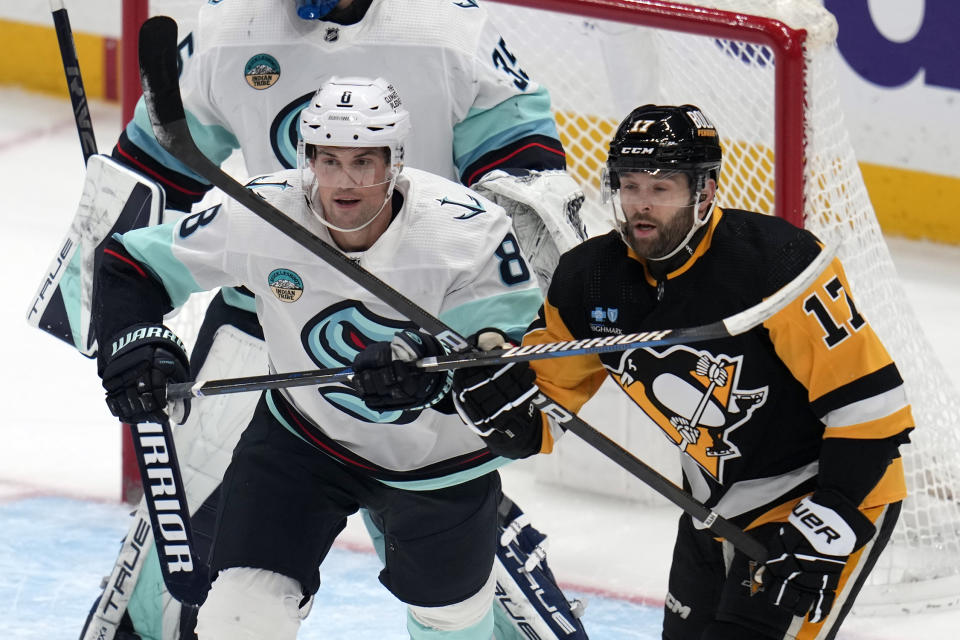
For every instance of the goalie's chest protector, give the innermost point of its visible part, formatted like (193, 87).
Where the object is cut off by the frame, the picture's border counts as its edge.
(749, 417)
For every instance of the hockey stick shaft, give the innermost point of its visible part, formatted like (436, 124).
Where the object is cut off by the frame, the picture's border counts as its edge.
(183, 574)
(727, 327)
(158, 66)
(71, 67)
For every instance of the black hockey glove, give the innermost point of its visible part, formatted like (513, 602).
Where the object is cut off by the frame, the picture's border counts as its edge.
(388, 381)
(143, 359)
(810, 552)
(497, 401)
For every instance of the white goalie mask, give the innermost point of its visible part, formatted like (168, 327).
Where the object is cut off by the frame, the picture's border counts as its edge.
(350, 114)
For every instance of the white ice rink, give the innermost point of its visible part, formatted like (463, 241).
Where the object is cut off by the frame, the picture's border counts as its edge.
(58, 441)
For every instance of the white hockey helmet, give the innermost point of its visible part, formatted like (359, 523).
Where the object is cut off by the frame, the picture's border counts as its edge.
(357, 112)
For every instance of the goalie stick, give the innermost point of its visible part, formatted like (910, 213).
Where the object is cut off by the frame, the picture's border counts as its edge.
(158, 71)
(165, 498)
(729, 326)
(78, 95)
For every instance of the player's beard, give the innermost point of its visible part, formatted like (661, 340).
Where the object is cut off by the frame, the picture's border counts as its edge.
(669, 234)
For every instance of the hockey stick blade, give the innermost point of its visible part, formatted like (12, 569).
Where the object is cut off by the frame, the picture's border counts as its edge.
(158, 56)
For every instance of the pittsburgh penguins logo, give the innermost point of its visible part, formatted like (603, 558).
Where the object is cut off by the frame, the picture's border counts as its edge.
(334, 337)
(694, 397)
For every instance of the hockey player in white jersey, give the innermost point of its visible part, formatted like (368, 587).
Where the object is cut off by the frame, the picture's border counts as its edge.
(480, 118)
(312, 456)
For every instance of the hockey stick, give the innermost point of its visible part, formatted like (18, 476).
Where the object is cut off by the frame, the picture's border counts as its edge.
(78, 96)
(158, 69)
(166, 501)
(725, 328)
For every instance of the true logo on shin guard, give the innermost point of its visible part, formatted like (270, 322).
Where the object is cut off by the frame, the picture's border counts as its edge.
(117, 593)
(173, 545)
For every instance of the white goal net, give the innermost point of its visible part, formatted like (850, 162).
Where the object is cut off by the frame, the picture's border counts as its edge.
(765, 75)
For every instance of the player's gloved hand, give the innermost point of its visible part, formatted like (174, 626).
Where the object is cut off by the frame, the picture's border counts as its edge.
(388, 381)
(496, 401)
(810, 552)
(142, 360)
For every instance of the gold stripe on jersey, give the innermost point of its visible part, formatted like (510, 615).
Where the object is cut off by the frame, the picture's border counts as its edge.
(570, 385)
(806, 630)
(826, 344)
(891, 488)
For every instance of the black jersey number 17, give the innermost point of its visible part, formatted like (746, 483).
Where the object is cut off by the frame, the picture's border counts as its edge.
(835, 332)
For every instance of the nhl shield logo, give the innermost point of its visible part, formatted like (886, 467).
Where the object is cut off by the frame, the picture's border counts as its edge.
(285, 284)
(262, 71)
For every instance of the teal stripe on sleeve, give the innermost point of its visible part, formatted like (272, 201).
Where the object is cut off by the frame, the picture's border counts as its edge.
(510, 312)
(484, 130)
(152, 248)
(236, 298)
(215, 142)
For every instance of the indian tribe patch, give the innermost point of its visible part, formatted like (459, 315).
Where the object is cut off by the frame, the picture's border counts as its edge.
(285, 284)
(262, 71)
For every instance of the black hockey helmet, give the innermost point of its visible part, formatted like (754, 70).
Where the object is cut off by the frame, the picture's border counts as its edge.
(665, 138)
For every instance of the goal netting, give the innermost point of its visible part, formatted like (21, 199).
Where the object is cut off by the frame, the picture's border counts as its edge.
(764, 72)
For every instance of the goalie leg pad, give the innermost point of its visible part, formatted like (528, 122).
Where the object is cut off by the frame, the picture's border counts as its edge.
(246, 603)
(530, 603)
(466, 620)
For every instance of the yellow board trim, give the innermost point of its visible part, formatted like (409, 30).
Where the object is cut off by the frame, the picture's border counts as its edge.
(914, 204)
(34, 60)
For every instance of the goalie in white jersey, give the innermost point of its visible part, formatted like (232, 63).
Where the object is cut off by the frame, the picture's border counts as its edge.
(247, 71)
(312, 456)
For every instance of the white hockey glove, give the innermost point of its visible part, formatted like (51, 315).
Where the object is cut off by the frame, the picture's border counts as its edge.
(545, 209)
(811, 551)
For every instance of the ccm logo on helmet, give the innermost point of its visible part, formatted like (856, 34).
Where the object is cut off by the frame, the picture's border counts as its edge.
(640, 151)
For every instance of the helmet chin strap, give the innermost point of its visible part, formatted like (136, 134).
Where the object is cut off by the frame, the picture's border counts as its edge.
(697, 223)
(319, 213)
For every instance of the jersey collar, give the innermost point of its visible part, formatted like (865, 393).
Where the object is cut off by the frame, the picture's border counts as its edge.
(702, 246)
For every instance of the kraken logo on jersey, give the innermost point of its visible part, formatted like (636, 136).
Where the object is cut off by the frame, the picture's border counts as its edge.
(334, 337)
(285, 131)
(690, 394)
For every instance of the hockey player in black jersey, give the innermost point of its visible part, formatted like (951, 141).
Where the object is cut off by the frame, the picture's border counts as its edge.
(790, 430)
